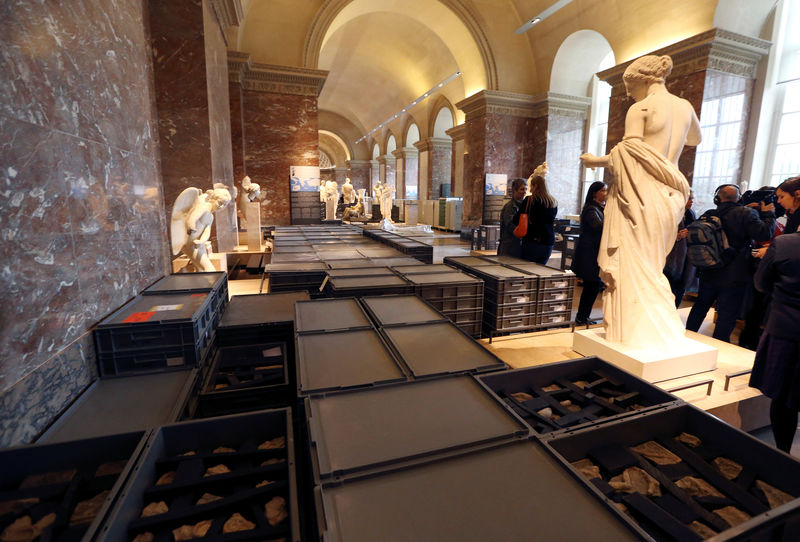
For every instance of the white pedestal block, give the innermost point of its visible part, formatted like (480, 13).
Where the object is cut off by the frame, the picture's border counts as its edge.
(652, 364)
(253, 216)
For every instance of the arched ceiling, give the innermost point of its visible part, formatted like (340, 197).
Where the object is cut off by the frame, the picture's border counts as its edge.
(334, 147)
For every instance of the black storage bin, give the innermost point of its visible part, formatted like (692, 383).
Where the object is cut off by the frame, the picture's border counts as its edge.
(400, 309)
(342, 360)
(445, 285)
(286, 277)
(394, 261)
(423, 269)
(115, 405)
(187, 450)
(508, 323)
(246, 378)
(504, 280)
(62, 476)
(602, 381)
(360, 272)
(401, 422)
(511, 492)
(554, 319)
(549, 278)
(504, 260)
(465, 263)
(156, 333)
(439, 348)
(460, 316)
(329, 315)
(608, 447)
(361, 286)
(194, 283)
(449, 304)
(259, 318)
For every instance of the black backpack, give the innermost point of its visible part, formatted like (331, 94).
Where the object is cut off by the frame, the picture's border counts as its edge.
(707, 244)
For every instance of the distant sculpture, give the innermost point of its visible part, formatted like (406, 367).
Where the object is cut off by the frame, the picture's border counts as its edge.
(331, 198)
(355, 211)
(190, 228)
(384, 197)
(348, 192)
(250, 193)
(645, 203)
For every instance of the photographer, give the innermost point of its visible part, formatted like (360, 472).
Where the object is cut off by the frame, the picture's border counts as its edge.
(726, 284)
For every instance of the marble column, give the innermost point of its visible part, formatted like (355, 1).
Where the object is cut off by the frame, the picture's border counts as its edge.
(407, 171)
(339, 176)
(715, 68)
(374, 175)
(435, 166)
(499, 139)
(359, 173)
(457, 135)
(279, 111)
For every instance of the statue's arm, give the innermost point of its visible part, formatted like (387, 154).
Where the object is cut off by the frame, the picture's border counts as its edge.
(695, 136)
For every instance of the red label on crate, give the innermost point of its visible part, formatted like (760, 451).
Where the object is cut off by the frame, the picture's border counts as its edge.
(138, 317)
(197, 295)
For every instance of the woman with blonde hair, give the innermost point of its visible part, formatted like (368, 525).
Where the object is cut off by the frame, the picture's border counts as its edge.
(541, 208)
(645, 203)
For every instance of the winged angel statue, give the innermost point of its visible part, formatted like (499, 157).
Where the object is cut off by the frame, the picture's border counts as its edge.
(190, 228)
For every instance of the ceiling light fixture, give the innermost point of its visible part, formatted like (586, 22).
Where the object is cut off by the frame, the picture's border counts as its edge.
(542, 16)
(412, 104)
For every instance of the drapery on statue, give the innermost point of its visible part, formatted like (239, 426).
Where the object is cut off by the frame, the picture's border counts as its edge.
(645, 203)
(348, 192)
(190, 226)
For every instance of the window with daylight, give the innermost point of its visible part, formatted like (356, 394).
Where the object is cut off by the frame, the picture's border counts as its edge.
(786, 160)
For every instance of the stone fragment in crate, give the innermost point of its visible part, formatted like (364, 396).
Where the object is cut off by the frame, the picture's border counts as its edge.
(263, 483)
(111, 467)
(775, 497)
(155, 509)
(17, 506)
(187, 532)
(224, 450)
(588, 469)
(216, 469)
(166, 478)
(207, 498)
(702, 529)
(636, 480)
(25, 530)
(237, 523)
(48, 478)
(271, 461)
(144, 537)
(521, 396)
(276, 443)
(656, 453)
(689, 440)
(85, 511)
(697, 487)
(275, 510)
(732, 515)
(730, 469)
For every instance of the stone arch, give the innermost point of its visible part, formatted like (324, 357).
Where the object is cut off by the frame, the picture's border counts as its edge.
(329, 11)
(410, 132)
(376, 151)
(391, 143)
(335, 146)
(578, 58)
(443, 118)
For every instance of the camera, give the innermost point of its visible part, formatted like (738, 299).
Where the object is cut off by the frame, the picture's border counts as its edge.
(756, 196)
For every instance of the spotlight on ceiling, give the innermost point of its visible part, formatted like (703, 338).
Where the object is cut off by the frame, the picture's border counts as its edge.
(542, 16)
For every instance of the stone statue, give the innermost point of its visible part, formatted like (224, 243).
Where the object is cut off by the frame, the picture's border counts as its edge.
(354, 211)
(331, 199)
(645, 203)
(348, 192)
(192, 216)
(249, 193)
(386, 201)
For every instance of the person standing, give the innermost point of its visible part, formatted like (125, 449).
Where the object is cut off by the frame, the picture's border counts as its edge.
(776, 370)
(509, 244)
(726, 284)
(679, 270)
(541, 207)
(788, 194)
(584, 264)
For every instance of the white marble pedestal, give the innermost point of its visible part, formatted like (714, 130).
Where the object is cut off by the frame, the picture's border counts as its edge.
(652, 364)
(253, 216)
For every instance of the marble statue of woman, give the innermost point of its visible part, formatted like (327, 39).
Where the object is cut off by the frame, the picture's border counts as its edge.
(645, 203)
(348, 192)
(250, 192)
(192, 216)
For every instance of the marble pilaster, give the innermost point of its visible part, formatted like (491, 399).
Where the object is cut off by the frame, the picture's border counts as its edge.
(407, 171)
(457, 135)
(708, 67)
(436, 155)
(339, 176)
(374, 174)
(359, 173)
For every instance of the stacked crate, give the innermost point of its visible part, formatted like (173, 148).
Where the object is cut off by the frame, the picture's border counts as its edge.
(289, 277)
(509, 298)
(457, 295)
(555, 294)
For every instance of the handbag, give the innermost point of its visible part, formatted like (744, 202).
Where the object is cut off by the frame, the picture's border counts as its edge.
(522, 227)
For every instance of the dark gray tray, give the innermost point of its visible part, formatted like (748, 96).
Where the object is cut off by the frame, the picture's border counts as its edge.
(400, 309)
(403, 421)
(256, 309)
(187, 282)
(355, 283)
(439, 348)
(350, 264)
(506, 260)
(307, 267)
(115, 405)
(360, 272)
(329, 315)
(500, 272)
(343, 359)
(466, 261)
(294, 257)
(425, 268)
(395, 261)
(183, 308)
(453, 277)
(510, 492)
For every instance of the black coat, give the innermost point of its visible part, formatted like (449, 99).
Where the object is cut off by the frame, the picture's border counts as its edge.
(742, 225)
(779, 273)
(509, 245)
(678, 269)
(584, 263)
(540, 222)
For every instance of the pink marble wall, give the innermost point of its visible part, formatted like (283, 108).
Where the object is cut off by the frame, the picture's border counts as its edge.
(280, 131)
(391, 173)
(374, 176)
(237, 130)
(439, 170)
(82, 213)
(564, 147)
(359, 176)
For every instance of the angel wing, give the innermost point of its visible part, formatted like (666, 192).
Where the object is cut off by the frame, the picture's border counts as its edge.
(182, 207)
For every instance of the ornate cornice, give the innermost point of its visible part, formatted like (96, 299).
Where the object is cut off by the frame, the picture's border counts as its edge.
(716, 49)
(497, 103)
(458, 132)
(434, 143)
(405, 152)
(271, 78)
(358, 163)
(562, 105)
(230, 12)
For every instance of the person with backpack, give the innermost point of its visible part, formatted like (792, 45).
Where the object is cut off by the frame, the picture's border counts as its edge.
(719, 247)
(679, 269)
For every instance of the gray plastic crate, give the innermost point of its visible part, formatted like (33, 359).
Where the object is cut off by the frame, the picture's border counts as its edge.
(439, 348)
(329, 315)
(215, 283)
(360, 272)
(400, 309)
(238, 489)
(607, 446)
(400, 422)
(510, 492)
(422, 269)
(446, 285)
(60, 476)
(465, 262)
(502, 280)
(361, 286)
(255, 318)
(343, 360)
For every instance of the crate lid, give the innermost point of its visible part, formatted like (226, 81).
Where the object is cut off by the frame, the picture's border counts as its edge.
(424, 268)
(401, 309)
(360, 272)
(342, 283)
(344, 359)
(453, 277)
(299, 257)
(115, 405)
(404, 420)
(151, 309)
(507, 492)
(296, 267)
(471, 261)
(502, 272)
(349, 264)
(329, 314)
(254, 309)
(508, 260)
(439, 348)
(188, 282)
(397, 261)
(541, 270)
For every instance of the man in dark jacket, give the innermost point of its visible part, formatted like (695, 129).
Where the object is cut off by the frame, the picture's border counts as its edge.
(510, 245)
(726, 285)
